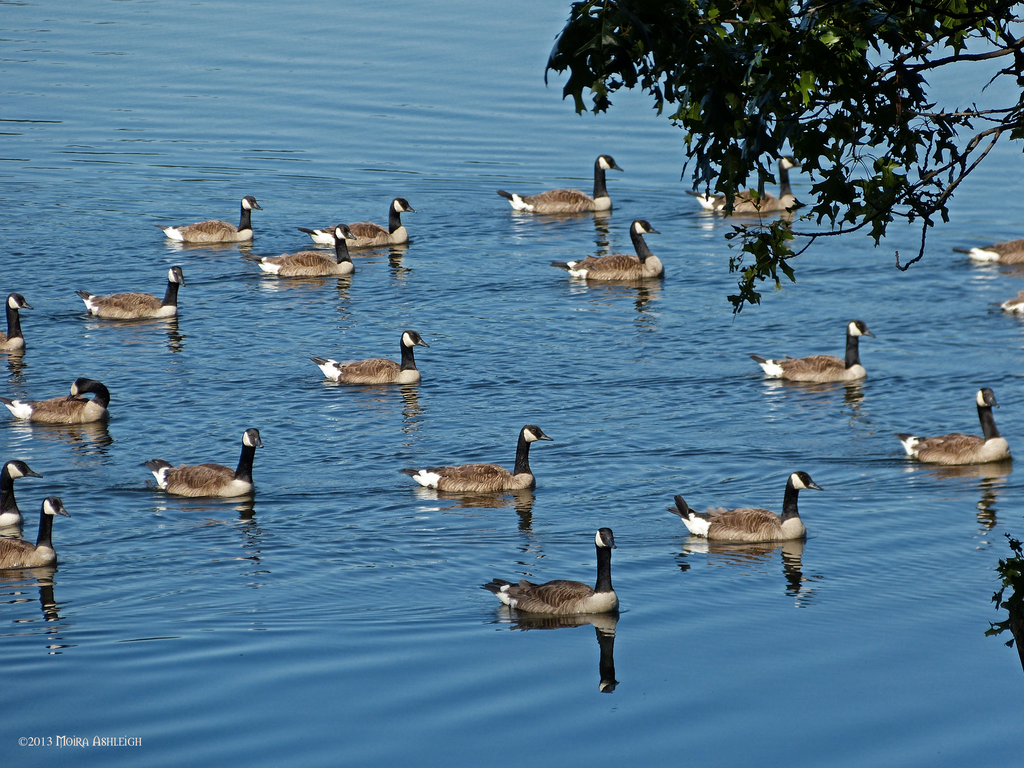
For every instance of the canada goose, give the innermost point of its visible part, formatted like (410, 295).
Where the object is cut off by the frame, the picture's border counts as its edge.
(959, 448)
(14, 341)
(9, 512)
(366, 234)
(1016, 304)
(568, 200)
(377, 370)
(561, 597)
(16, 553)
(750, 524)
(136, 306)
(484, 478)
(1011, 252)
(313, 263)
(746, 202)
(822, 368)
(215, 231)
(73, 409)
(620, 266)
(209, 479)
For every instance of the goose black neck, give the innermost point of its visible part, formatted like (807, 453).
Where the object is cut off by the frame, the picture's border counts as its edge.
(13, 322)
(789, 509)
(246, 221)
(408, 361)
(102, 394)
(988, 422)
(244, 471)
(522, 455)
(640, 245)
(45, 531)
(7, 502)
(600, 190)
(394, 219)
(171, 294)
(341, 250)
(852, 350)
(604, 570)
(784, 188)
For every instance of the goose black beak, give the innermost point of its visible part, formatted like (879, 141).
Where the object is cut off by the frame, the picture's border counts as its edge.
(815, 486)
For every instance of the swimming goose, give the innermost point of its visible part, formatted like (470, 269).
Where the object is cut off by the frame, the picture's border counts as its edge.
(565, 598)
(484, 478)
(822, 368)
(209, 479)
(136, 306)
(313, 263)
(958, 448)
(215, 231)
(73, 409)
(9, 512)
(1016, 304)
(749, 524)
(14, 341)
(377, 370)
(1011, 252)
(366, 234)
(16, 553)
(620, 266)
(745, 202)
(568, 200)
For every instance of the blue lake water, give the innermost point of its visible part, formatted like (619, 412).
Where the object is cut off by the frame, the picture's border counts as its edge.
(337, 617)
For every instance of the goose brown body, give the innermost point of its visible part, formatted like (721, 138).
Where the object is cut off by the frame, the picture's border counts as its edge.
(484, 478)
(136, 306)
(17, 553)
(214, 230)
(377, 370)
(367, 234)
(1011, 252)
(749, 524)
(620, 266)
(73, 409)
(568, 200)
(958, 448)
(562, 597)
(748, 202)
(200, 480)
(312, 263)
(821, 368)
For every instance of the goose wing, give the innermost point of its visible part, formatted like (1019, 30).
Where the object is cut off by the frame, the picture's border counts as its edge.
(124, 305)
(198, 476)
(212, 231)
(618, 266)
(955, 448)
(554, 596)
(815, 365)
(376, 370)
(743, 524)
(480, 478)
(14, 553)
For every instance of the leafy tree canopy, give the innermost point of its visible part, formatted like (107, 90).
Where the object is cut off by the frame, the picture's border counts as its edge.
(840, 85)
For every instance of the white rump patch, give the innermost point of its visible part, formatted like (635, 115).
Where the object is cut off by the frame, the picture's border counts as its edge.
(161, 476)
(427, 479)
(697, 525)
(910, 445)
(518, 204)
(173, 233)
(20, 409)
(269, 267)
(980, 254)
(772, 368)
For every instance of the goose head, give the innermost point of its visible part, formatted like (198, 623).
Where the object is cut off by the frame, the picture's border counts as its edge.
(605, 539)
(251, 438)
(17, 301)
(532, 433)
(858, 328)
(249, 203)
(643, 227)
(802, 481)
(175, 275)
(20, 469)
(401, 205)
(607, 163)
(986, 398)
(53, 506)
(413, 339)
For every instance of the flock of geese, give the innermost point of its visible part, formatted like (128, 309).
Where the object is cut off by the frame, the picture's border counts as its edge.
(559, 598)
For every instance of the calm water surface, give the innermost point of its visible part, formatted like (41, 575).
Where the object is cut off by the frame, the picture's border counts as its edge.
(336, 618)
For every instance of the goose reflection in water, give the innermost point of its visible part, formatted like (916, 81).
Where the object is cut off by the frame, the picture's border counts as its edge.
(819, 395)
(754, 556)
(16, 365)
(604, 625)
(520, 501)
(398, 270)
(18, 587)
(84, 439)
(991, 478)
